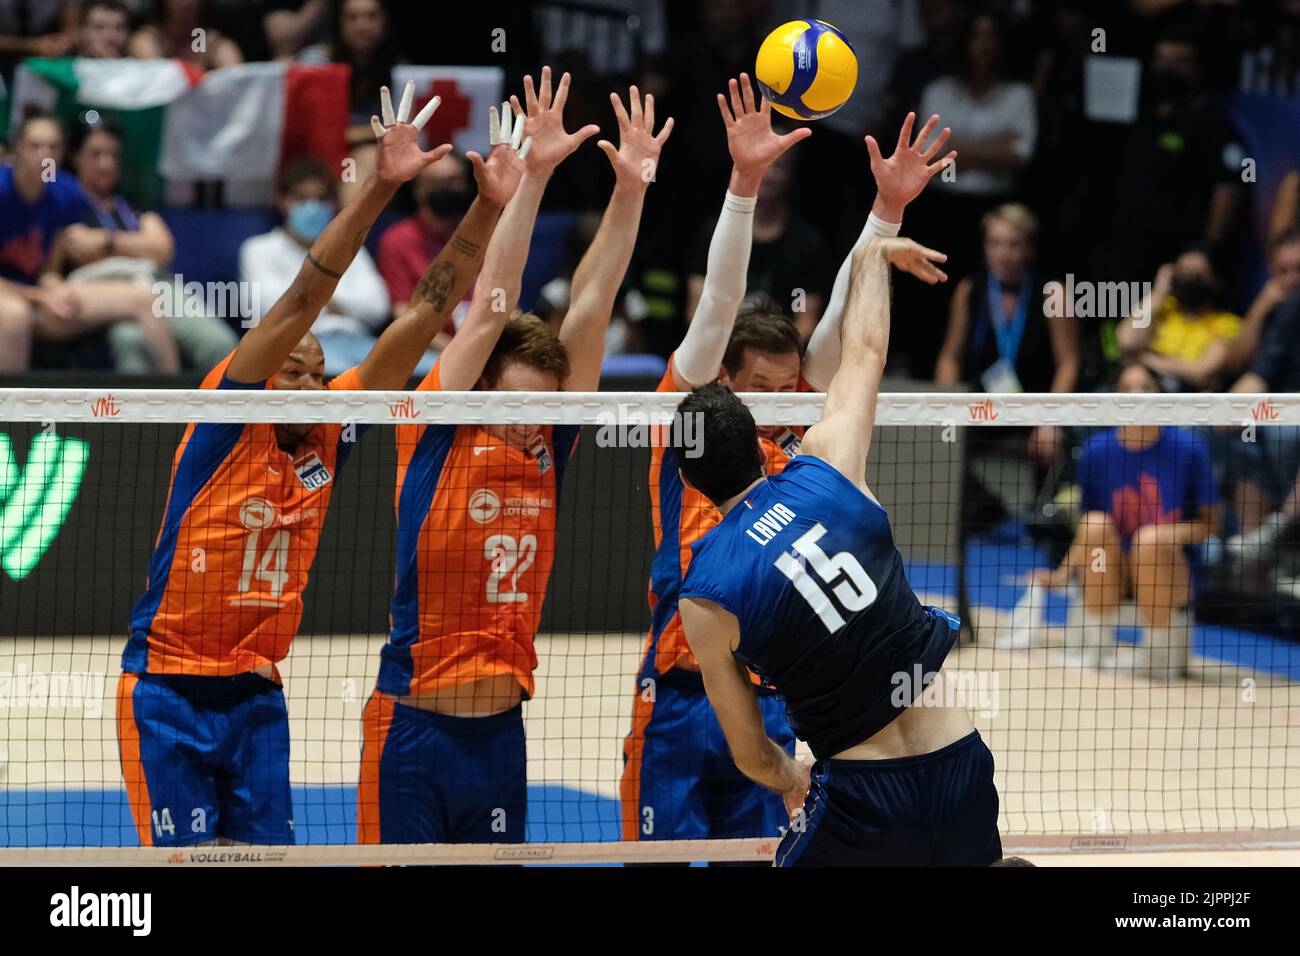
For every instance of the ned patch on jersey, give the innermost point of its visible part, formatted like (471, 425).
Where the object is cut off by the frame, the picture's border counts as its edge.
(311, 471)
(544, 461)
(789, 443)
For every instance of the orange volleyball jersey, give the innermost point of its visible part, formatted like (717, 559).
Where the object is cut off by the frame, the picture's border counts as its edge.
(238, 539)
(681, 516)
(475, 546)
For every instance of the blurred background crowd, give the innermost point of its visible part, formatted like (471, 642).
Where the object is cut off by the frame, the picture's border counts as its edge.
(1127, 191)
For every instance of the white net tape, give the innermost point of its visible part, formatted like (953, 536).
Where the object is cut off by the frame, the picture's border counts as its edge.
(596, 408)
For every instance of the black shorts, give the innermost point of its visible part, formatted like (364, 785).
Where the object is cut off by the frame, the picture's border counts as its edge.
(936, 809)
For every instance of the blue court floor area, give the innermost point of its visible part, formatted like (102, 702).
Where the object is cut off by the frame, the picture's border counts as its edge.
(322, 815)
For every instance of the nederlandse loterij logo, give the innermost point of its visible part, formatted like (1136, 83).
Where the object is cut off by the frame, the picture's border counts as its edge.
(35, 499)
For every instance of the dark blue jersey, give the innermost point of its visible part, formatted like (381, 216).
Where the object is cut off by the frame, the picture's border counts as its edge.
(807, 565)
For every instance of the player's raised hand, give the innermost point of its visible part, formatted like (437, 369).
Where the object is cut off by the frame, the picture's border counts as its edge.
(400, 157)
(636, 157)
(545, 123)
(910, 256)
(901, 177)
(498, 176)
(750, 138)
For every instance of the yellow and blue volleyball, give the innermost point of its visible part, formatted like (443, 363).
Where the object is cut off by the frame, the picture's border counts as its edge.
(807, 69)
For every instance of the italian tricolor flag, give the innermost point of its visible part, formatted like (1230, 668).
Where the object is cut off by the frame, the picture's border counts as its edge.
(238, 125)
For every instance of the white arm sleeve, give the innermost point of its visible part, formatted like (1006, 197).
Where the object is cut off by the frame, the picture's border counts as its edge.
(698, 357)
(822, 357)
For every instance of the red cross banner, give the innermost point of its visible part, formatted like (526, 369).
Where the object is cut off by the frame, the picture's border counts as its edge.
(467, 92)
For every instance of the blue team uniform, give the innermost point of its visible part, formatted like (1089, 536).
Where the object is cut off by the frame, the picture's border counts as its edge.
(807, 565)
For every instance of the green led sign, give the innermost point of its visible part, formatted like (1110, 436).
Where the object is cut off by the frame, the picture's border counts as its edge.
(35, 500)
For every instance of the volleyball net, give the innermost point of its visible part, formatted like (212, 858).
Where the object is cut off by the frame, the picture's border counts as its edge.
(1125, 568)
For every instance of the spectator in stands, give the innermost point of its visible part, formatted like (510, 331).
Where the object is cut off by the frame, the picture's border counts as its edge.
(1265, 470)
(1007, 331)
(104, 31)
(290, 25)
(185, 30)
(37, 201)
(1148, 501)
(1179, 180)
(1286, 208)
(442, 192)
(789, 264)
(115, 244)
(995, 129)
(348, 325)
(1179, 331)
(1283, 282)
(35, 28)
(362, 40)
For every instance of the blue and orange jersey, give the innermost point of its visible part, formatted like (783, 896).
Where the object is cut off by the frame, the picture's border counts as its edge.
(681, 516)
(475, 546)
(238, 538)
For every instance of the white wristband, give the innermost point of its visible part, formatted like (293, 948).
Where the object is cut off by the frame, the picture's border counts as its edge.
(736, 203)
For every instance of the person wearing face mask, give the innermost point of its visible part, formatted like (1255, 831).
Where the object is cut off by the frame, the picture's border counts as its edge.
(442, 193)
(1178, 331)
(1179, 180)
(358, 309)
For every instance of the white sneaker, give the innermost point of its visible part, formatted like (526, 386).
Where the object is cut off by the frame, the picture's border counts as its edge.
(1257, 543)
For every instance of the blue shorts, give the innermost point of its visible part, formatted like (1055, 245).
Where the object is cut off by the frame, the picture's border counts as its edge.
(205, 757)
(936, 809)
(433, 778)
(679, 779)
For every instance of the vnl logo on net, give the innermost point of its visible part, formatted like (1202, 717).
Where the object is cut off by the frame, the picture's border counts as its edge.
(220, 300)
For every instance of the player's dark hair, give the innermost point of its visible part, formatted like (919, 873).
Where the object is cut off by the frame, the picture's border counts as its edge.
(528, 340)
(34, 115)
(724, 459)
(1012, 861)
(307, 169)
(117, 6)
(82, 130)
(763, 329)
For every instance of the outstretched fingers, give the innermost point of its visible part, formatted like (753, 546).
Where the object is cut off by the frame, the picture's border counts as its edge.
(727, 119)
(937, 145)
(905, 134)
(942, 164)
(634, 101)
(924, 136)
(408, 96)
(620, 112)
(426, 113)
(748, 91)
(737, 106)
(386, 106)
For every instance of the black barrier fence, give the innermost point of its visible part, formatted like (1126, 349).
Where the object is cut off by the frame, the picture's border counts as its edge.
(96, 562)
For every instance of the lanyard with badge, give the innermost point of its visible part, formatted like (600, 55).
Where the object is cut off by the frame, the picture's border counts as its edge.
(1001, 375)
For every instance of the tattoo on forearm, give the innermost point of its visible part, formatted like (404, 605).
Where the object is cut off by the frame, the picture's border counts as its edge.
(329, 272)
(465, 247)
(437, 284)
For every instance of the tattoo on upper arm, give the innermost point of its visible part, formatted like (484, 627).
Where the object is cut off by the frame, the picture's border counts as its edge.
(436, 284)
(329, 272)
